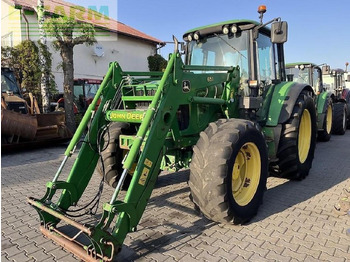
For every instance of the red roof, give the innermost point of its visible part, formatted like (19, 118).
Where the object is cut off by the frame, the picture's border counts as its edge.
(62, 7)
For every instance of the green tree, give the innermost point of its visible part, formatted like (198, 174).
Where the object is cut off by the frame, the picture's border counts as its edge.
(24, 60)
(156, 63)
(69, 33)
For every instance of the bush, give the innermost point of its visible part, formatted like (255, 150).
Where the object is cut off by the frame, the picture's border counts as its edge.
(156, 63)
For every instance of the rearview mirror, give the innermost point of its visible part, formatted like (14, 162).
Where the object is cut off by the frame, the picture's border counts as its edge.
(326, 70)
(279, 32)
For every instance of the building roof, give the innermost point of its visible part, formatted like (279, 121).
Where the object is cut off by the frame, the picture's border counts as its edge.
(59, 7)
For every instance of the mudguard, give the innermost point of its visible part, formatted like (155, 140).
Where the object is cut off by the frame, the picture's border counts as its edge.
(283, 100)
(346, 96)
(321, 102)
(321, 107)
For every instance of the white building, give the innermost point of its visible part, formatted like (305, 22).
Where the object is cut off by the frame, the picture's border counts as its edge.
(115, 40)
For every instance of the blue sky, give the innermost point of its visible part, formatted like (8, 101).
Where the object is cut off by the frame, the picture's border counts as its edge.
(319, 30)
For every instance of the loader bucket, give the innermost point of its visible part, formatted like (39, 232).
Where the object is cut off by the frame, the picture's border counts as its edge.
(14, 123)
(51, 126)
(19, 129)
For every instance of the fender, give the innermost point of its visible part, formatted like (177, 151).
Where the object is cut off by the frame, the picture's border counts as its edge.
(321, 107)
(346, 95)
(283, 100)
(321, 102)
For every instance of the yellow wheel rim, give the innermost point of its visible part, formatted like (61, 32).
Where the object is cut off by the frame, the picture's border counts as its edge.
(246, 174)
(304, 137)
(329, 119)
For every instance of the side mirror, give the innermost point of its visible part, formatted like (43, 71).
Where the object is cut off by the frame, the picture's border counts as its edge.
(290, 78)
(183, 46)
(279, 32)
(326, 70)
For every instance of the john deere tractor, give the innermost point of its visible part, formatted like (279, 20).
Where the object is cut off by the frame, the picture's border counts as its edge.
(225, 111)
(311, 74)
(334, 82)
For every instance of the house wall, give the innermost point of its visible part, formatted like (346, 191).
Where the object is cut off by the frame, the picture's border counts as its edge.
(130, 53)
(11, 34)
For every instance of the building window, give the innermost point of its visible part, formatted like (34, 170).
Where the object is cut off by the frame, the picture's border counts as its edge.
(7, 40)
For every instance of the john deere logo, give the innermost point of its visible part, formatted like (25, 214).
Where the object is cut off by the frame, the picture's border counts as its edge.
(186, 86)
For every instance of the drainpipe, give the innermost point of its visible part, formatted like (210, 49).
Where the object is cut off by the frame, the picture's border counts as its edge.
(27, 24)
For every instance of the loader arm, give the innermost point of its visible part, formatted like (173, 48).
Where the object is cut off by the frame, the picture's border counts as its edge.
(147, 149)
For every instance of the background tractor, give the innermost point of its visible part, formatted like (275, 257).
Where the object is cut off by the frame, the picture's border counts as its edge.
(21, 121)
(311, 74)
(225, 111)
(334, 81)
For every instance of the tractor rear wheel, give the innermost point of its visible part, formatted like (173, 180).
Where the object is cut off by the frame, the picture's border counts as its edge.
(228, 171)
(325, 134)
(112, 156)
(340, 118)
(298, 140)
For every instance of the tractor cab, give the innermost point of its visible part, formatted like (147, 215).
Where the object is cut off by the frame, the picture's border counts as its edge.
(334, 80)
(249, 45)
(11, 95)
(306, 73)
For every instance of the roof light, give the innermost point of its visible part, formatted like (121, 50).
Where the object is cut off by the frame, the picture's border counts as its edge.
(225, 30)
(189, 37)
(262, 9)
(196, 35)
(233, 29)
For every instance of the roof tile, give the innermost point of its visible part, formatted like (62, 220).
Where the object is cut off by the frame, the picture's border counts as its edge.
(99, 20)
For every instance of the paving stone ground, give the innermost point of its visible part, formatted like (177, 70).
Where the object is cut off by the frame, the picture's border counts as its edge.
(296, 221)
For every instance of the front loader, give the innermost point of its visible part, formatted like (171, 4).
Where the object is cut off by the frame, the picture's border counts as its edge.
(226, 112)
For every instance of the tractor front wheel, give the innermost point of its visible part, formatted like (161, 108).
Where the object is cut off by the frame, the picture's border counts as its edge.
(110, 163)
(298, 140)
(228, 171)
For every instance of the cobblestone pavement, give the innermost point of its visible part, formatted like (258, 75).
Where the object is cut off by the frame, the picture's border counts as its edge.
(295, 223)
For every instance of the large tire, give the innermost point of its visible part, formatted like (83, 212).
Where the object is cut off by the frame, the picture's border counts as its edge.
(112, 156)
(346, 97)
(325, 134)
(298, 141)
(339, 118)
(228, 171)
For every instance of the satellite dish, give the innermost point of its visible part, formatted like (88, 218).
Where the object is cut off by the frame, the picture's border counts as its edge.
(98, 50)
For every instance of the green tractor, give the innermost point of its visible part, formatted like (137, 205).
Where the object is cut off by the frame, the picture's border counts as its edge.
(311, 74)
(226, 112)
(333, 81)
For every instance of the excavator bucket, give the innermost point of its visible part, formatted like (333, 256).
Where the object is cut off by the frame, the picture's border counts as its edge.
(19, 130)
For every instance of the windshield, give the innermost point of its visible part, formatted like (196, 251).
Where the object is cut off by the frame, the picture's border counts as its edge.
(221, 50)
(8, 83)
(299, 75)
